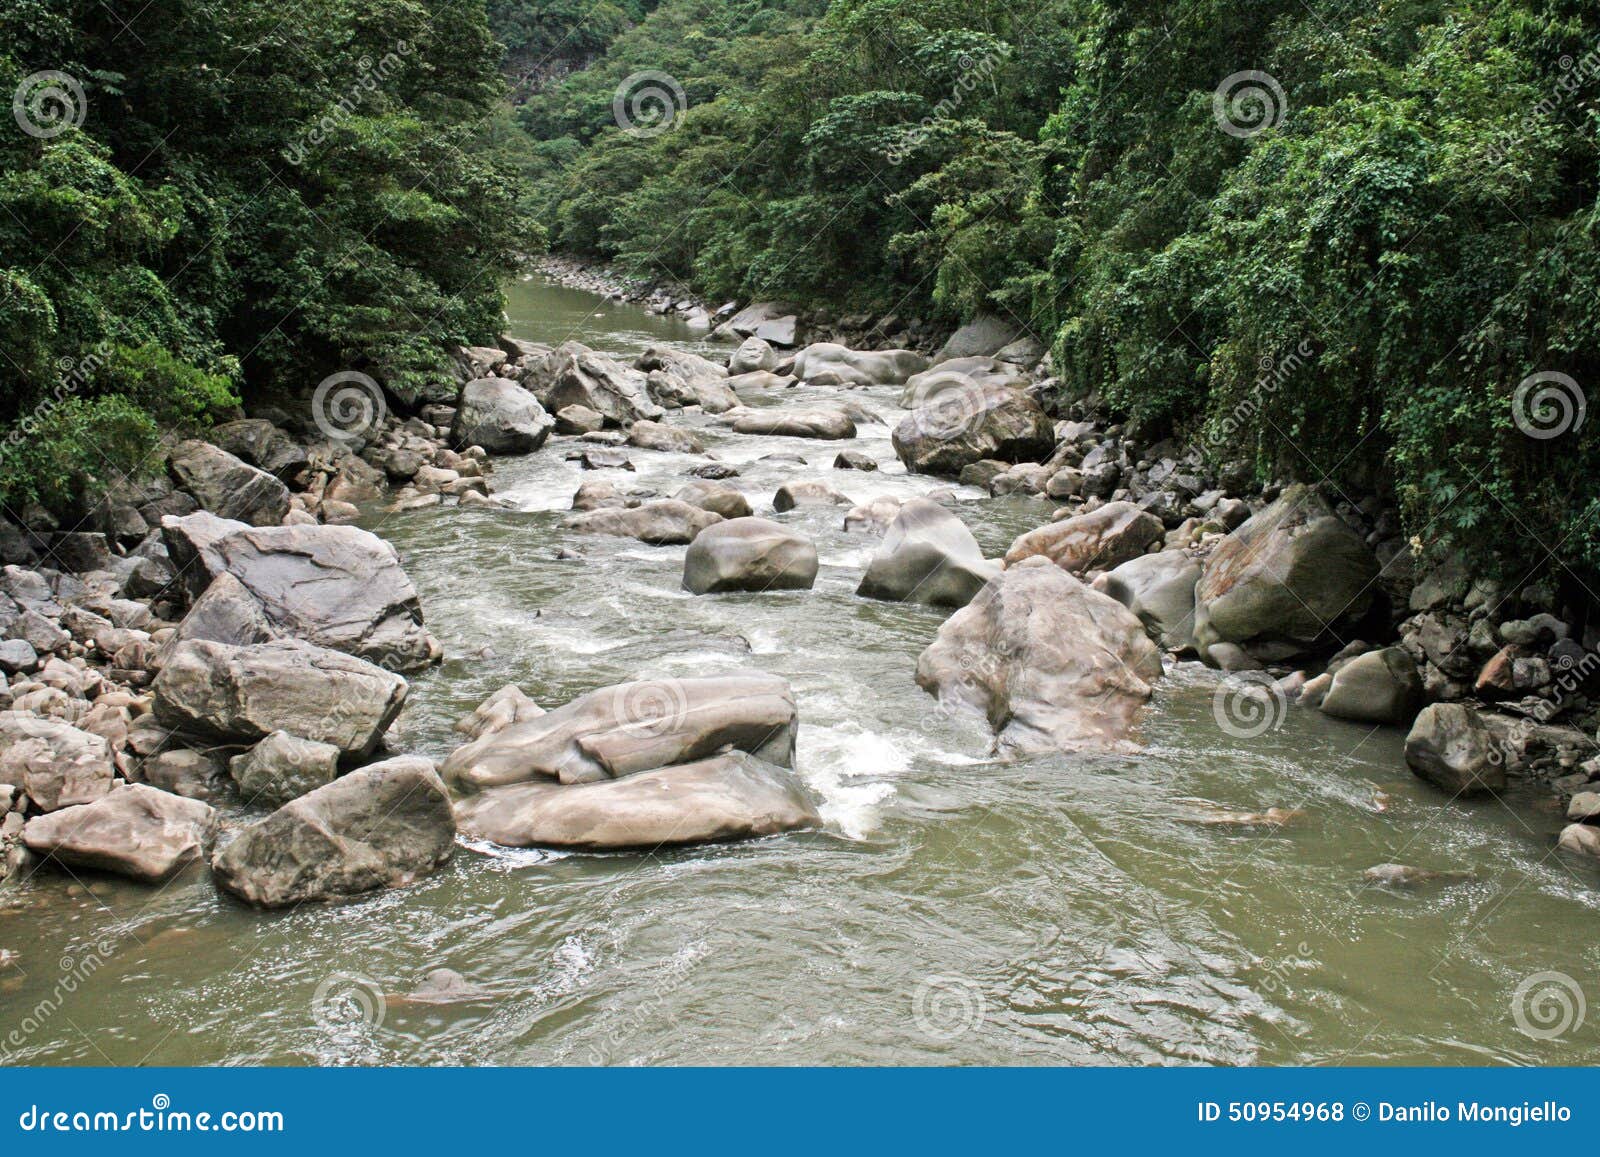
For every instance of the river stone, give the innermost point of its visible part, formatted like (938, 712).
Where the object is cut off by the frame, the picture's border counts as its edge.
(506, 706)
(968, 423)
(826, 363)
(1377, 687)
(633, 727)
(1583, 839)
(136, 831)
(191, 541)
(383, 826)
(1053, 663)
(875, 516)
(226, 613)
(808, 492)
(183, 771)
(984, 335)
(928, 556)
(1100, 540)
(283, 767)
(1449, 746)
(336, 586)
(726, 797)
(715, 497)
(500, 416)
(227, 487)
(1293, 574)
(575, 375)
(262, 445)
(981, 371)
(749, 554)
(244, 694)
(56, 764)
(577, 419)
(664, 523)
(1159, 588)
(753, 356)
(760, 380)
(648, 435)
(774, 421)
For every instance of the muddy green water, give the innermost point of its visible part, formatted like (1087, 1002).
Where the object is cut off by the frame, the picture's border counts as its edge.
(956, 910)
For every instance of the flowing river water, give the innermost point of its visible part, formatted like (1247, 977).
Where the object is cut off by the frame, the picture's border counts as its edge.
(1053, 910)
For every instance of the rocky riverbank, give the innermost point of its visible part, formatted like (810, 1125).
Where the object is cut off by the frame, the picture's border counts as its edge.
(209, 667)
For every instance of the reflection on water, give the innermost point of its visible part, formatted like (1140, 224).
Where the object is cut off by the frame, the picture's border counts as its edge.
(957, 910)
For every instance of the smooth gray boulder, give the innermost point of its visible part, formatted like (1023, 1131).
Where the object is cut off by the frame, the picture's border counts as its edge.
(717, 497)
(226, 486)
(648, 435)
(664, 523)
(826, 363)
(244, 694)
(783, 422)
(1052, 663)
(579, 420)
(137, 831)
(383, 826)
(1159, 588)
(928, 556)
(500, 416)
(753, 356)
(56, 764)
(924, 387)
(1378, 687)
(283, 767)
(966, 424)
(506, 706)
(984, 335)
(726, 797)
(1287, 580)
(808, 492)
(1100, 540)
(1448, 746)
(749, 554)
(632, 727)
(259, 443)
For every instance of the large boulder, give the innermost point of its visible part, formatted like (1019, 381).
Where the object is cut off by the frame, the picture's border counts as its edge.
(717, 497)
(1159, 588)
(968, 423)
(749, 554)
(259, 443)
(753, 356)
(768, 316)
(726, 797)
(283, 767)
(380, 827)
(825, 363)
(808, 492)
(1286, 581)
(55, 763)
(1100, 540)
(226, 613)
(191, 541)
(135, 830)
(665, 523)
(575, 375)
(1377, 687)
(244, 694)
(500, 416)
(923, 387)
(632, 727)
(1053, 663)
(648, 435)
(984, 335)
(336, 586)
(1450, 747)
(226, 486)
(783, 422)
(928, 556)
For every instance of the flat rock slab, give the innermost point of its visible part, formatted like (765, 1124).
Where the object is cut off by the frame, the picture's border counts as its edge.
(137, 831)
(727, 797)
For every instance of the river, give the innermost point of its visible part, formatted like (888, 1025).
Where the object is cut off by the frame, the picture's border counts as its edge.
(1054, 910)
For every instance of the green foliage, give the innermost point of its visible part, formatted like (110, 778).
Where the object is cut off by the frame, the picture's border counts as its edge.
(249, 203)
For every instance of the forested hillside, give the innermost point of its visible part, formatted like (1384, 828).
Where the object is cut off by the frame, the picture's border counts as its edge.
(234, 195)
(1344, 262)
